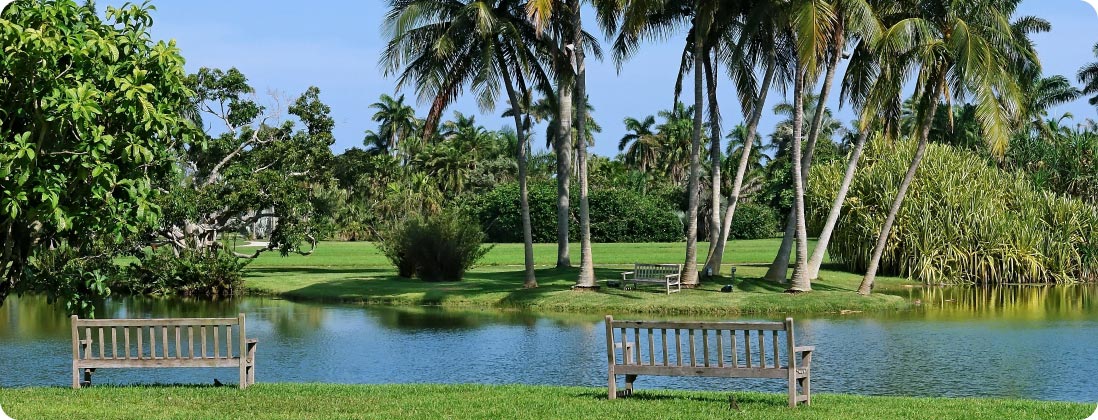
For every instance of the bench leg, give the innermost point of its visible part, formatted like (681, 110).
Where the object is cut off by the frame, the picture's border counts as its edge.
(88, 376)
(75, 376)
(792, 388)
(612, 387)
(806, 389)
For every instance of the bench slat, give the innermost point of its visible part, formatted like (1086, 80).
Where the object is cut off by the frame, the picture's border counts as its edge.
(747, 346)
(160, 362)
(770, 373)
(663, 335)
(715, 325)
(154, 322)
(693, 357)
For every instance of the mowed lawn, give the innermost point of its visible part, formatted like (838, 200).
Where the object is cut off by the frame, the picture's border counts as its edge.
(357, 272)
(320, 401)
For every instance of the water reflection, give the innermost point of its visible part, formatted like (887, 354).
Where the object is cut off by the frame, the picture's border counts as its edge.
(1021, 341)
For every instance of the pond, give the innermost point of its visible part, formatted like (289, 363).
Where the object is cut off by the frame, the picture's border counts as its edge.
(1026, 342)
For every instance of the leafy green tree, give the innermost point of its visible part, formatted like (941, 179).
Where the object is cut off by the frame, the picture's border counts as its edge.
(253, 175)
(92, 112)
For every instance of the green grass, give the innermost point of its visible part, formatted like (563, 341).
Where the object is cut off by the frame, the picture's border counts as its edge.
(356, 272)
(317, 401)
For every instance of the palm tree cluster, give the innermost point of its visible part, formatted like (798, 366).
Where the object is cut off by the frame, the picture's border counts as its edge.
(975, 73)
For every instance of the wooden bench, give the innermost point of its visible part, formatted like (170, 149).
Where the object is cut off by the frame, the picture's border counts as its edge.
(121, 343)
(714, 349)
(666, 274)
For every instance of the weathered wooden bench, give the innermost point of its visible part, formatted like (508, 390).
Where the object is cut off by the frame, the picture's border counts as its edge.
(122, 344)
(669, 275)
(714, 349)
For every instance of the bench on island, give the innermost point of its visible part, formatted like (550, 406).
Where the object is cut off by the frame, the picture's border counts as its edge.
(668, 275)
(714, 349)
(213, 349)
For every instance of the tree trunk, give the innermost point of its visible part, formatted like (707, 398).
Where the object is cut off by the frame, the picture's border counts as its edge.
(715, 160)
(713, 263)
(519, 108)
(690, 267)
(816, 261)
(875, 260)
(800, 281)
(587, 265)
(780, 266)
(564, 163)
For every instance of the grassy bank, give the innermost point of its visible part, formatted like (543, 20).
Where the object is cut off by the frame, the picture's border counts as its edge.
(356, 272)
(316, 401)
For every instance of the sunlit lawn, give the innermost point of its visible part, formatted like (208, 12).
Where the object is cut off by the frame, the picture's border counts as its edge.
(358, 272)
(318, 401)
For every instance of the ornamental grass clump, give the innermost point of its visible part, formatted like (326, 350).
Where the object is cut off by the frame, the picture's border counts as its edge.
(436, 247)
(964, 221)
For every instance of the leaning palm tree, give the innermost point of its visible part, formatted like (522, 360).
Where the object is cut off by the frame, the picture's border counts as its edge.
(960, 49)
(442, 47)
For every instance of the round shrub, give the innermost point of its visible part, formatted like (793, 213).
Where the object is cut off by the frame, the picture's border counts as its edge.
(438, 247)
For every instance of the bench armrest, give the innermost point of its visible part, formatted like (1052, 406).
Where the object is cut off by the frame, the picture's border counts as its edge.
(804, 349)
(670, 276)
(626, 274)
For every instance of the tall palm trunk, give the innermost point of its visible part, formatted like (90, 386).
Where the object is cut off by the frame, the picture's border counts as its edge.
(713, 265)
(816, 261)
(517, 104)
(714, 158)
(690, 266)
(780, 266)
(564, 164)
(875, 260)
(587, 265)
(800, 275)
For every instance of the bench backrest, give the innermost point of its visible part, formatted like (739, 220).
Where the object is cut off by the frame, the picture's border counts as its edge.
(734, 345)
(178, 339)
(655, 271)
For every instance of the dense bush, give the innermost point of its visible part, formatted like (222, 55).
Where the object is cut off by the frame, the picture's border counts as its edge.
(964, 221)
(1066, 163)
(437, 247)
(617, 215)
(753, 221)
(161, 272)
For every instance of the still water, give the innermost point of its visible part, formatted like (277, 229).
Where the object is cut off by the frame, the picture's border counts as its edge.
(1027, 342)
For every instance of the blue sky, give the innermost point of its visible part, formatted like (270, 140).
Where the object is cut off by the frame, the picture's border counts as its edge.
(285, 47)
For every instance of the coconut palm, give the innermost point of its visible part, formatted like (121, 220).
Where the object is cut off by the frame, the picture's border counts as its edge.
(442, 47)
(641, 146)
(1088, 76)
(956, 49)
(397, 119)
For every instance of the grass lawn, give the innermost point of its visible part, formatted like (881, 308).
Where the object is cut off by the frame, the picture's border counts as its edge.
(318, 401)
(356, 272)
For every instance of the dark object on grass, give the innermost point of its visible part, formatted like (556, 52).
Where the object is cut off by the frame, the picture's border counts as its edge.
(218, 383)
(726, 289)
(732, 405)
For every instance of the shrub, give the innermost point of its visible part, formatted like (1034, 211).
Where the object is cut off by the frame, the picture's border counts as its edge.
(753, 221)
(617, 215)
(963, 221)
(161, 272)
(439, 247)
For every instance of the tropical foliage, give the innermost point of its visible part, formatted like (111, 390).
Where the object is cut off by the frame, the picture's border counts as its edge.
(1005, 231)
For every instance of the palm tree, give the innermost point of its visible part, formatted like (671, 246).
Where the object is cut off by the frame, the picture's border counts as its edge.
(1088, 76)
(675, 139)
(398, 120)
(960, 49)
(641, 146)
(445, 46)
(763, 46)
